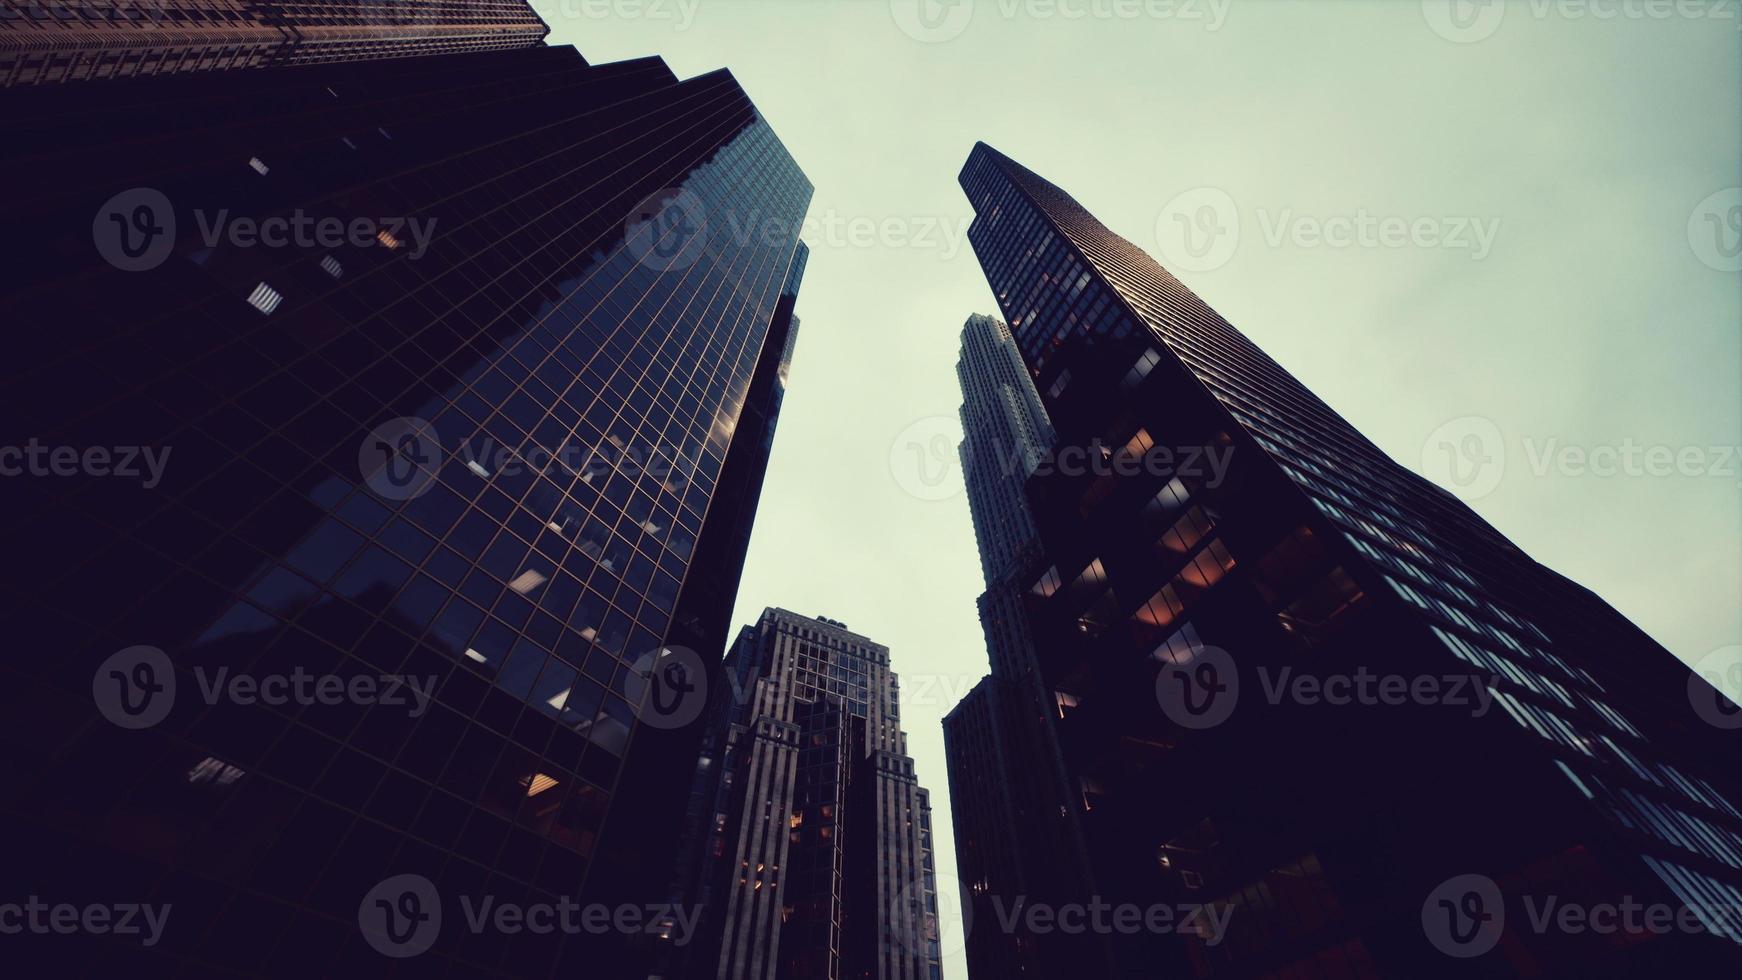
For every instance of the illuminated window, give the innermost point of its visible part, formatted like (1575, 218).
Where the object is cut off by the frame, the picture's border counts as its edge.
(1181, 648)
(527, 582)
(1186, 532)
(1139, 444)
(1209, 566)
(1048, 584)
(1145, 363)
(265, 299)
(1161, 608)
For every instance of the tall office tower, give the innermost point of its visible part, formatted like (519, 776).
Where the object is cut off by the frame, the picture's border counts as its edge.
(440, 387)
(52, 41)
(814, 837)
(1005, 435)
(1007, 779)
(1212, 534)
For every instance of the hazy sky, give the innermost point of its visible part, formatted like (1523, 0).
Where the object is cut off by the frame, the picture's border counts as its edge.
(1489, 228)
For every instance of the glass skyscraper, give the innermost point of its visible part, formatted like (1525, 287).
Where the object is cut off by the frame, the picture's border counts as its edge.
(441, 384)
(811, 838)
(81, 40)
(1209, 533)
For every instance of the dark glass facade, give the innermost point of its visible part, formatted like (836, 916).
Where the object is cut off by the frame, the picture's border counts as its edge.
(505, 441)
(812, 849)
(1211, 527)
(55, 41)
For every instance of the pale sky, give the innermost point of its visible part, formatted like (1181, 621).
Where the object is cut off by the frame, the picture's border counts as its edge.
(1528, 256)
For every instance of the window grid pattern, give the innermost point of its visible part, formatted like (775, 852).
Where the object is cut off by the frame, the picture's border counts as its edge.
(532, 325)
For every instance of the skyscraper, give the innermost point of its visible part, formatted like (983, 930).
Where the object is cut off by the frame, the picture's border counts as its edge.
(815, 835)
(53, 41)
(1014, 837)
(1005, 436)
(1220, 550)
(418, 409)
